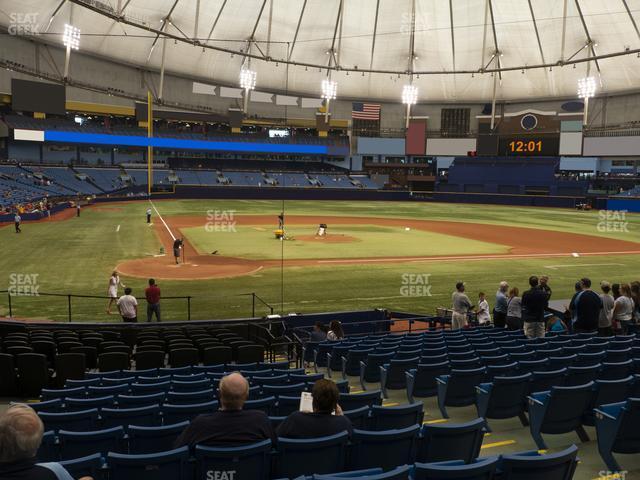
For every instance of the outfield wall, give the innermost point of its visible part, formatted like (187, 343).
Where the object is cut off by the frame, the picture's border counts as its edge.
(627, 204)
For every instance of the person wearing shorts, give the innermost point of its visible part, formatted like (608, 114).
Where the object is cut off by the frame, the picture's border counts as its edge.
(128, 306)
(534, 303)
(177, 245)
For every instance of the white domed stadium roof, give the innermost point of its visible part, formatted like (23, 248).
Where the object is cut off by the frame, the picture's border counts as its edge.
(537, 48)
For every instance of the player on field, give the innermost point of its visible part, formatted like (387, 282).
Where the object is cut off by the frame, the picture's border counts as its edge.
(112, 292)
(177, 245)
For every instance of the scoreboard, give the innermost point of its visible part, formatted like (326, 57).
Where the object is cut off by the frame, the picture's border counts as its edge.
(529, 145)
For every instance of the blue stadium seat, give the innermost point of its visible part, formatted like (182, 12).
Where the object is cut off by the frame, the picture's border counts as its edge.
(399, 473)
(386, 449)
(605, 392)
(392, 374)
(503, 398)
(401, 416)
(180, 413)
(287, 405)
(200, 396)
(359, 417)
(270, 379)
(149, 388)
(617, 430)
(582, 374)
(54, 405)
(370, 368)
(421, 381)
(351, 362)
(320, 354)
(334, 357)
(543, 381)
(443, 442)
(82, 383)
(267, 404)
(81, 421)
(131, 401)
(481, 469)
(246, 462)
(530, 465)
(458, 388)
(75, 404)
(118, 389)
(507, 370)
(170, 465)
(190, 386)
(352, 401)
(287, 390)
(154, 439)
(342, 385)
(80, 444)
(530, 366)
(89, 466)
(51, 394)
(148, 415)
(559, 410)
(311, 456)
(616, 370)
(48, 450)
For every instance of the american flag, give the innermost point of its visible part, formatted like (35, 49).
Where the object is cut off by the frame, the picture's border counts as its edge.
(365, 111)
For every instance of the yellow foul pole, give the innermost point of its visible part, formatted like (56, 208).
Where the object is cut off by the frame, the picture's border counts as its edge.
(149, 147)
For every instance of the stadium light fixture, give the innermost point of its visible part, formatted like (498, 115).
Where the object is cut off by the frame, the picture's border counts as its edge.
(329, 89)
(71, 40)
(71, 37)
(586, 87)
(329, 92)
(247, 83)
(586, 90)
(409, 97)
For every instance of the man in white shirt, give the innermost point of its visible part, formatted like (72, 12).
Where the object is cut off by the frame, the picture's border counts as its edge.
(17, 219)
(128, 306)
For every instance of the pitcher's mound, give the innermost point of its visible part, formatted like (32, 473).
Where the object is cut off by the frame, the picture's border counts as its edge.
(328, 238)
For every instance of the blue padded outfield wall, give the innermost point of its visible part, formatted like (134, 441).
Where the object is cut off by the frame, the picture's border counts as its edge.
(183, 144)
(628, 204)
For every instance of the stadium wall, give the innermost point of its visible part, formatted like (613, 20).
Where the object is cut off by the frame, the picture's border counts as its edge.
(626, 204)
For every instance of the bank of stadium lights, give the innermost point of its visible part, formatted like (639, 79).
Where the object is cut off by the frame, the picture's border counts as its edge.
(586, 90)
(71, 37)
(586, 87)
(409, 97)
(71, 40)
(329, 92)
(247, 83)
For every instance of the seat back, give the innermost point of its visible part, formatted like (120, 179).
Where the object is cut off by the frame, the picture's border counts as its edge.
(80, 444)
(442, 442)
(169, 465)
(566, 407)
(543, 381)
(244, 462)
(32, 372)
(396, 372)
(581, 375)
(311, 456)
(109, 362)
(373, 363)
(89, 466)
(628, 435)
(425, 384)
(180, 413)
(148, 415)
(149, 359)
(81, 421)
(461, 387)
(508, 395)
(402, 416)
(352, 401)
(386, 449)
(154, 439)
(8, 378)
(531, 465)
(482, 469)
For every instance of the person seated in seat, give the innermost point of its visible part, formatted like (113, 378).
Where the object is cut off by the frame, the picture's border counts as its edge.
(326, 418)
(231, 425)
(21, 433)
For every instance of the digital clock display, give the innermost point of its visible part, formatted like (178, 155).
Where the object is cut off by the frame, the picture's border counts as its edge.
(529, 146)
(524, 146)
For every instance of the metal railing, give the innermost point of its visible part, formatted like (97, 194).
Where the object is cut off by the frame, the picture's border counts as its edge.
(85, 307)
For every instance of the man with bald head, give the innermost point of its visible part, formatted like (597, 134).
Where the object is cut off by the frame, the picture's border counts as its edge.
(20, 436)
(230, 425)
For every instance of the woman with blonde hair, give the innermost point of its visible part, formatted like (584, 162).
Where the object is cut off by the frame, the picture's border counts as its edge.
(112, 292)
(622, 314)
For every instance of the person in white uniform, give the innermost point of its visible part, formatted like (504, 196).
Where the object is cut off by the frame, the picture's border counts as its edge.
(112, 292)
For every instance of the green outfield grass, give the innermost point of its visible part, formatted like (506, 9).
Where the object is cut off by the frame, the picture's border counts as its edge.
(77, 255)
(258, 242)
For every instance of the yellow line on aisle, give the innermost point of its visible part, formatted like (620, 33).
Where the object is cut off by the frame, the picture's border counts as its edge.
(497, 444)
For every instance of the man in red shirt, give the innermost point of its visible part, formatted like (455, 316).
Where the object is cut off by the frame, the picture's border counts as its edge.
(152, 292)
